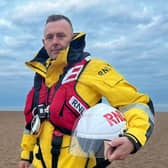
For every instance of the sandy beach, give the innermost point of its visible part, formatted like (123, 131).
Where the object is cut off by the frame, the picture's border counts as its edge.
(153, 155)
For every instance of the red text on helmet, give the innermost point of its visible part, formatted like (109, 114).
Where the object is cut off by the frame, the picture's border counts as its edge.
(114, 117)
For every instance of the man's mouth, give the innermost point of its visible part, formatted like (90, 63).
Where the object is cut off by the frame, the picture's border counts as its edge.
(55, 51)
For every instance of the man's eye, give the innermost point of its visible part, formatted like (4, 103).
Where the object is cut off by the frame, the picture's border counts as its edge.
(60, 35)
(49, 37)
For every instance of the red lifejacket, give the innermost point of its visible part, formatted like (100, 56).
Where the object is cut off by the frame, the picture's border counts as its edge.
(65, 103)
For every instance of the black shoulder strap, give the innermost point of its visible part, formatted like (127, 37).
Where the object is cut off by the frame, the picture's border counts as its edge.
(37, 86)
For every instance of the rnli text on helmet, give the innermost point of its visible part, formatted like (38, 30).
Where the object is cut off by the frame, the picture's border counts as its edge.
(114, 117)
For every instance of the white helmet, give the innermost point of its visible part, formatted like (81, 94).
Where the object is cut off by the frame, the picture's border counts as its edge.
(97, 124)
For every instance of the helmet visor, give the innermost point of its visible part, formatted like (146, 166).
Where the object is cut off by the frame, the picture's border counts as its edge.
(86, 147)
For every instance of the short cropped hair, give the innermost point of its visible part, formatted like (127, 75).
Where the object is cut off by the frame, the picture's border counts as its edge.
(54, 17)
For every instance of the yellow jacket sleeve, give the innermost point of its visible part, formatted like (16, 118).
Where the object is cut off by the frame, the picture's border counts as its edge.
(27, 145)
(136, 107)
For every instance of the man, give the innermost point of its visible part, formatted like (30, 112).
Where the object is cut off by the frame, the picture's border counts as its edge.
(66, 83)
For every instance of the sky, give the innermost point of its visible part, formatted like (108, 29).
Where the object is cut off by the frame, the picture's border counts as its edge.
(131, 35)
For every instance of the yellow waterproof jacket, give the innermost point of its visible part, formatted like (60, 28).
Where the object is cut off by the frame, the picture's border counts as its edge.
(99, 79)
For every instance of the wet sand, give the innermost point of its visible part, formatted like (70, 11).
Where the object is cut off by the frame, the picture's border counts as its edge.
(153, 155)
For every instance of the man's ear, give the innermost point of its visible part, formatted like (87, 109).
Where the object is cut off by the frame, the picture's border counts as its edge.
(43, 41)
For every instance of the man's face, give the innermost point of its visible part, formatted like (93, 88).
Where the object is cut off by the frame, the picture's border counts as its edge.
(57, 36)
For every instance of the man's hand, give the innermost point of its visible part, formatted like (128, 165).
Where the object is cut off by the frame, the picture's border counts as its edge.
(24, 164)
(119, 149)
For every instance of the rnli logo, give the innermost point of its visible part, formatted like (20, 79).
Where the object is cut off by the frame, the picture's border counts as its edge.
(114, 117)
(77, 105)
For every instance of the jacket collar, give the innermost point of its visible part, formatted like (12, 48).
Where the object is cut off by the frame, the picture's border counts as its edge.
(74, 53)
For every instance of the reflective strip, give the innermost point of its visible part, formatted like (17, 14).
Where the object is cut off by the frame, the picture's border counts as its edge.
(141, 106)
(88, 58)
(26, 131)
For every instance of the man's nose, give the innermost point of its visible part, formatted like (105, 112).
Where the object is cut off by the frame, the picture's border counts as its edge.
(55, 40)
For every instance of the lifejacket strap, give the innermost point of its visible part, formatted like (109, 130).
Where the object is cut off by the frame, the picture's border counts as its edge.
(39, 155)
(37, 87)
(56, 147)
